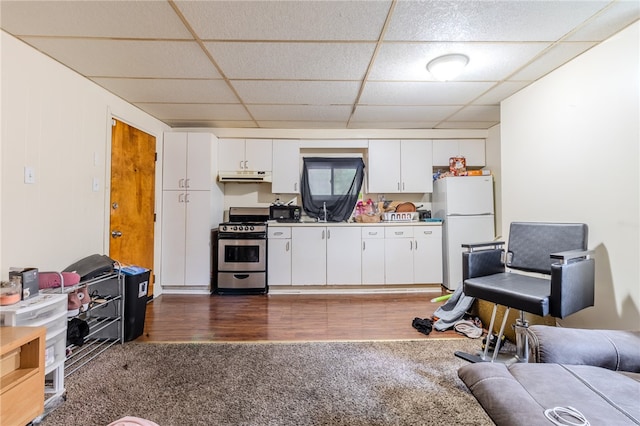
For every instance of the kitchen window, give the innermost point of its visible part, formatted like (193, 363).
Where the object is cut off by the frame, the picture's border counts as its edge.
(331, 182)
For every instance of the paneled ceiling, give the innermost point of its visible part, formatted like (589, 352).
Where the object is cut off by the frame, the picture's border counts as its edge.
(314, 64)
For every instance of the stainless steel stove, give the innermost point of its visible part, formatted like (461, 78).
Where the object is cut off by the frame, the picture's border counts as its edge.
(240, 253)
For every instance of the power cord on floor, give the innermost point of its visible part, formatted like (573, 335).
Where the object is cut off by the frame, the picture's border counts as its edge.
(560, 416)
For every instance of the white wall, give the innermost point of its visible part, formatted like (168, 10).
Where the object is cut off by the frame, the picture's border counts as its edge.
(570, 153)
(57, 122)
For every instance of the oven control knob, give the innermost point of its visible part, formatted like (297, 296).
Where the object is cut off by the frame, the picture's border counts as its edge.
(235, 228)
(224, 227)
(251, 227)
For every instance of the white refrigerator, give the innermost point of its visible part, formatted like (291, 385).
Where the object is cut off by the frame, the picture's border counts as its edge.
(465, 203)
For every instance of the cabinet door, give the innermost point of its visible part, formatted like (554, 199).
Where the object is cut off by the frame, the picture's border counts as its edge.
(384, 166)
(230, 154)
(279, 256)
(344, 263)
(197, 239)
(474, 151)
(443, 149)
(309, 255)
(173, 237)
(427, 255)
(258, 155)
(417, 166)
(198, 176)
(286, 167)
(398, 255)
(174, 161)
(372, 255)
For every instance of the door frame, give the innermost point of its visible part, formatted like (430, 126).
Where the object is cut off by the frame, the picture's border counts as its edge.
(157, 288)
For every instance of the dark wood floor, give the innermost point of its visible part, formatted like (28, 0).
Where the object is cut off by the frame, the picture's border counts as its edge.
(288, 317)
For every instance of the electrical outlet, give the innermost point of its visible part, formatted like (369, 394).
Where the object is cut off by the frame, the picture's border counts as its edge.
(29, 175)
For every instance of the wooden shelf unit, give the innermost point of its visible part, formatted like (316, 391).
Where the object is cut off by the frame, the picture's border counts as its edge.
(22, 374)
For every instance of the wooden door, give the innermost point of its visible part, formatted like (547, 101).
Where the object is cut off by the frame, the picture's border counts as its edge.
(132, 204)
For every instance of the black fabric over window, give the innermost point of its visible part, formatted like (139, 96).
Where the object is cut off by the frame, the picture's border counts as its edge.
(334, 181)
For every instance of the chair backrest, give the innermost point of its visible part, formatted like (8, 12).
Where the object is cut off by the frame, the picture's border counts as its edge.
(531, 243)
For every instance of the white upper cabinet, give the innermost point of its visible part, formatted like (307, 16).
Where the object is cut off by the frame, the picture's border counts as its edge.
(473, 150)
(400, 166)
(286, 167)
(187, 161)
(245, 155)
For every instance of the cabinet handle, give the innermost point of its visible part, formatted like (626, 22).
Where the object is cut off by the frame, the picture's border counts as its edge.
(323, 234)
(428, 232)
(373, 233)
(403, 186)
(181, 198)
(363, 246)
(398, 232)
(398, 186)
(277, 233)
(186, 183)
(246, 164)
(416, 244)
(241, 162)
(328, 233)
(410, 245)
(287, 246)
(181, 183)
(295, 187)
(186, 198)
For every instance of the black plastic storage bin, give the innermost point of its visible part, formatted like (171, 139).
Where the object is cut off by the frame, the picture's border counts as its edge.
(135, 303)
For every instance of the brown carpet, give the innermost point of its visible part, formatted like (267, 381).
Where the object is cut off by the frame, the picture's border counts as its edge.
(343, 383)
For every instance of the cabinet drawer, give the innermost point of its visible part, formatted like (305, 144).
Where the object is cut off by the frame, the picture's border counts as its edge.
(34, 312)
(398, 232)
(55, 351)
(373, 232)
(279, 232)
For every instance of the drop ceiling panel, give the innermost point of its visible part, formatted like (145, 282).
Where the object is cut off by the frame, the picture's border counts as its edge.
(297, 92)
(304, 61)
(300, 113)
(122, 19)
(196, 111)
(311, 124)
(499, 92)
(403, 113)
(392, 124)
(488, 113)
(487, 61)
(551, 59)
(422, 93)
(286, 20)
(169, 90)
(617, 16)
(124, 58)
(488, 21)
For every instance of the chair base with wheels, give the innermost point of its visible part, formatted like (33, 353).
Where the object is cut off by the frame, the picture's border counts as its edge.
(547, 270)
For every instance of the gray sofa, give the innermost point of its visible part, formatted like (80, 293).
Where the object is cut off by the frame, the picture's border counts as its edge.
(595, 371)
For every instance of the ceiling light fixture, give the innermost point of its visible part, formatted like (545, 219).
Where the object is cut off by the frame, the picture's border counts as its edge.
(447, 67)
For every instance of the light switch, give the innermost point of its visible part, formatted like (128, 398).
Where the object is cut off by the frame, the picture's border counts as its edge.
(95, 185)
(29, 175)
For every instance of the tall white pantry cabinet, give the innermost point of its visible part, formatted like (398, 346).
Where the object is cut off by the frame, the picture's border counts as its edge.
(192, 204)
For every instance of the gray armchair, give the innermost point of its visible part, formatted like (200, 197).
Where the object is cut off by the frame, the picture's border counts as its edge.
(547, 270)
(597, 372)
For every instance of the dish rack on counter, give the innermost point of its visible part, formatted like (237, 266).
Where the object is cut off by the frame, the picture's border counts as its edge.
(104, 318)
(400, 216)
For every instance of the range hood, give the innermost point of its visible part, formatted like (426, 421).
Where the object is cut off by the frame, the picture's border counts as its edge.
(244, 176)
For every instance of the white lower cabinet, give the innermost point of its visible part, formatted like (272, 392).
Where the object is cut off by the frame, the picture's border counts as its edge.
(279, 256)
(372, 255)
(309, 255)
(354, 255)
(427, 254)
(343, 255)
(185, 238)
(398, 255)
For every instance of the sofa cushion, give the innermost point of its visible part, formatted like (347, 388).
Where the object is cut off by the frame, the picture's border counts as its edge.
(520, 393)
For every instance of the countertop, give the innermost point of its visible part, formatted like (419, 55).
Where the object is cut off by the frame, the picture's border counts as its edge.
(273, 223)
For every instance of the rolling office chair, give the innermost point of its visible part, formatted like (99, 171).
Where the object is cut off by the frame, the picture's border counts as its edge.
(557, 250)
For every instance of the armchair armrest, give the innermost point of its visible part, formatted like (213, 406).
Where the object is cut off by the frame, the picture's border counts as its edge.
(482, 263)
(565, 256)
(488, 244)
(612, 349)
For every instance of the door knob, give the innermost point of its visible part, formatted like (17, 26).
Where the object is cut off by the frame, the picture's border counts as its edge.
(116, 234)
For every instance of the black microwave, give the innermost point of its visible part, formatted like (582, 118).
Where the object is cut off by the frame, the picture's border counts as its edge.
(284, 213)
